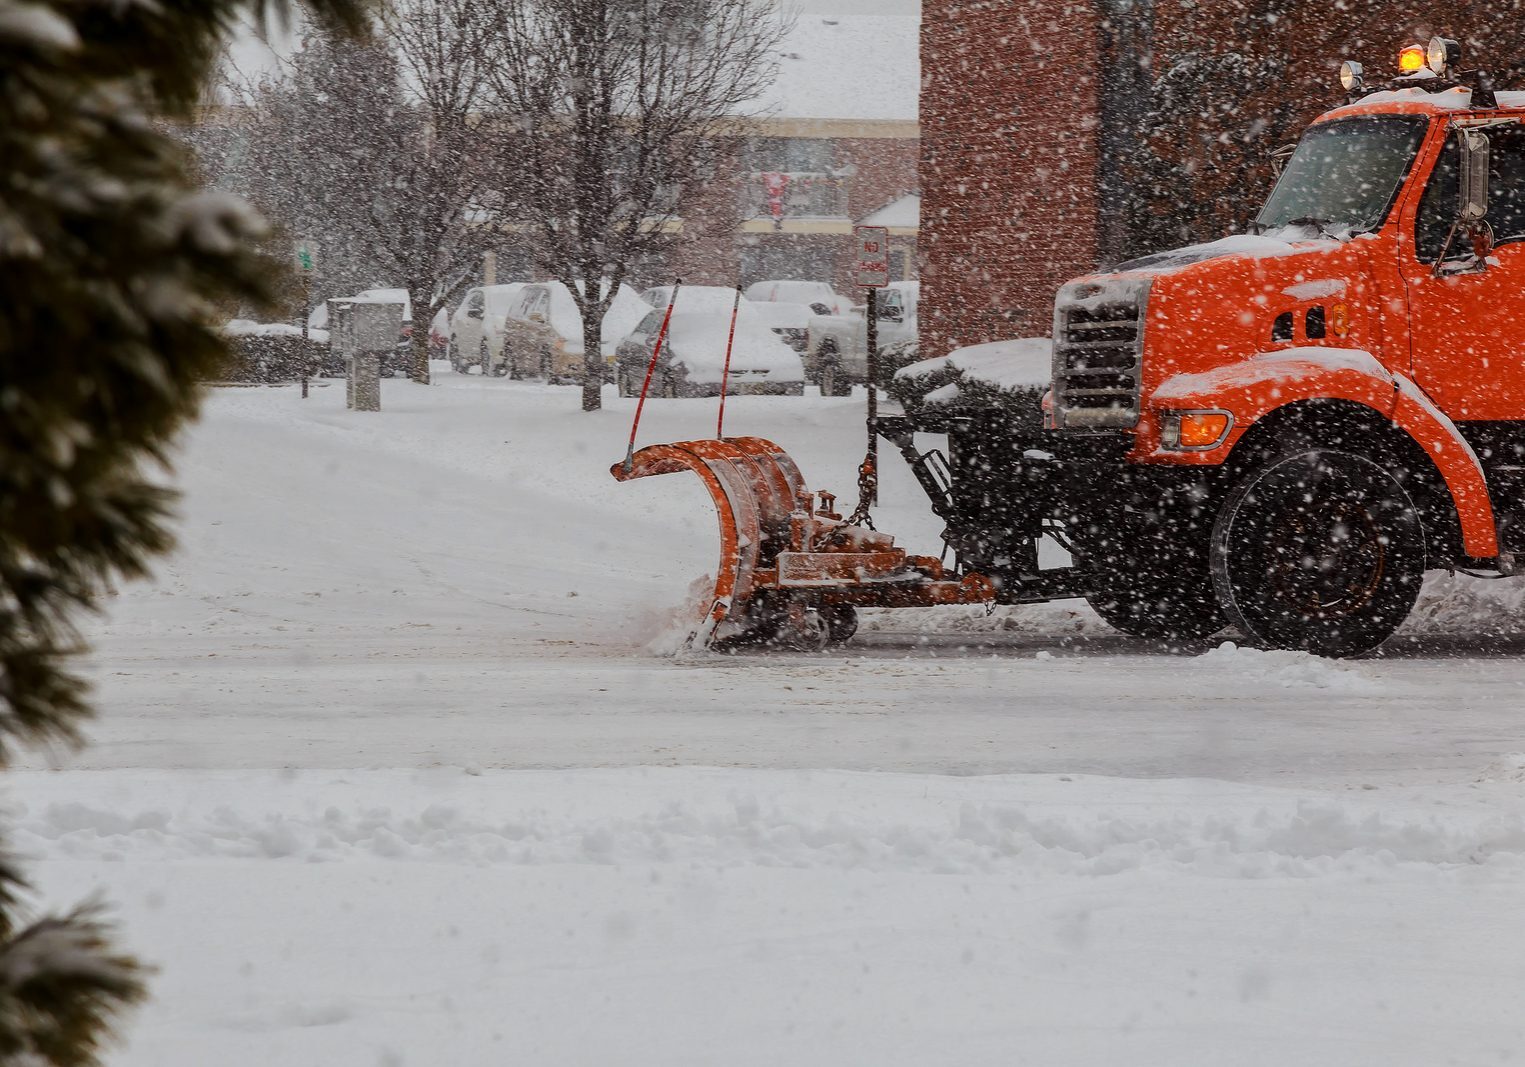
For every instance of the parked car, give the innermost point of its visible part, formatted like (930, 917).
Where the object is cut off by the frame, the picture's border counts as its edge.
(475, 337)
(542, 334)
(821, 298)
(836, 355)
(693, 354)
(790, 321)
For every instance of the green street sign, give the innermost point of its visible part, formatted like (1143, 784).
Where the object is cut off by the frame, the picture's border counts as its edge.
(307, 255)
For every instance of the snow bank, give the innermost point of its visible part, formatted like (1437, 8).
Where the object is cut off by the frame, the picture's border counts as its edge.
(1256, 667)
(249, 328)
(740, 819)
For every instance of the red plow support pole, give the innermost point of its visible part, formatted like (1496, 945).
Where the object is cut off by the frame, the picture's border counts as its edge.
(788, 570)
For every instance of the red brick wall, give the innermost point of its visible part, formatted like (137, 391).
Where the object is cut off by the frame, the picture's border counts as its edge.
(1010, 131)
(1008, 164)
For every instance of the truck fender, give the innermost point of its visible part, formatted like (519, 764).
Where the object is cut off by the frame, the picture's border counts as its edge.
(1254, 388)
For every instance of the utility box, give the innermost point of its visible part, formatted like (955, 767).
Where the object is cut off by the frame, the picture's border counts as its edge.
(361, 332)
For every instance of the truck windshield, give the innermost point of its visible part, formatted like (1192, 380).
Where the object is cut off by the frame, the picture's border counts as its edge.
(1344, 176)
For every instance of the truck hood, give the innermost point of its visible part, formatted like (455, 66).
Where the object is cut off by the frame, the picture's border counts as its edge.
(1230, 300)
(1247, 246)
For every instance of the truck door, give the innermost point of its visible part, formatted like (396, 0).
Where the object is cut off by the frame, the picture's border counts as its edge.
(1467, 325)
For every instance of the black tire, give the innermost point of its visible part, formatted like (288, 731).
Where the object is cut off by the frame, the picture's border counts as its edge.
(808, 632)
(841, 622)
(1319, 550)
(1155, 578)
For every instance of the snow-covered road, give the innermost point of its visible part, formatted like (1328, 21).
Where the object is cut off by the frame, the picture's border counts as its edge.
(388, 772)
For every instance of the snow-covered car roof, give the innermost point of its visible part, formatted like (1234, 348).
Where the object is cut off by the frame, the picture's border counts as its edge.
(624, 314)
(499, 299)
(796, 291)
(713, 298)
(781, 316)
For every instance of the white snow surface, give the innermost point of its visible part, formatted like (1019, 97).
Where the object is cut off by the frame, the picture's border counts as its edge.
(386, 773)
(250, 328)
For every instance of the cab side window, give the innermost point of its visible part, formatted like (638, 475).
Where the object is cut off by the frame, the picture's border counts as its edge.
(1506, 184)
(1506, 197)
(1437, 210)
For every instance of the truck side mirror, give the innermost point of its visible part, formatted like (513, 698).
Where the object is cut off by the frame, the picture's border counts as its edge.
(1473, 183)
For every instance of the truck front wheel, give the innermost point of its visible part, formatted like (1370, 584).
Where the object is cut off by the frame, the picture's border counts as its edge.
(1318, 550)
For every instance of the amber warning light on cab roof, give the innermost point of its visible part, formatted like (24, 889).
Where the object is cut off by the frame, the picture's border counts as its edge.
(1433, 67)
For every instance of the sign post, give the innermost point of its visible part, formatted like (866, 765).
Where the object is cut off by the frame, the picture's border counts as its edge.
(307, 264)
(873, 273)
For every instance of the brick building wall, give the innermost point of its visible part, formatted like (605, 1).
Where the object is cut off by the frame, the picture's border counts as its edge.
(1009, 163)
(1031, 110)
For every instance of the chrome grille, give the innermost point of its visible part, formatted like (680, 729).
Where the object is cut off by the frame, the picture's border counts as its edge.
(1098, 349)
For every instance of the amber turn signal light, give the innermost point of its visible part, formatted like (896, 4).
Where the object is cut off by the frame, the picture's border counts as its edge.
(1195, 431)
(1411, 59)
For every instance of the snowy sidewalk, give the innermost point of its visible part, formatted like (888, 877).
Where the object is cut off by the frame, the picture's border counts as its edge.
(696, 916)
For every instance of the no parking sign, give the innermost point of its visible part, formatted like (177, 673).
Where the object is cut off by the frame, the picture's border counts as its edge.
(873, 256)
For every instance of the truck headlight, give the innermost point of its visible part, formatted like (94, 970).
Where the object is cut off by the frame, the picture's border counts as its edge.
(1195, 431)
(1443, 55)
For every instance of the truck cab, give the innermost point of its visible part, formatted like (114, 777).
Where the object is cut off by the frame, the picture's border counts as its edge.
(1284, 429)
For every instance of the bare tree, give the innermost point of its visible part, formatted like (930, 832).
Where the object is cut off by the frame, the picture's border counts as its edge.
(452, 167)
(378, 151)
(615, 108)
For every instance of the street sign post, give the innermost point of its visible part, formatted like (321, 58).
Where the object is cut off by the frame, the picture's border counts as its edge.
(873, 256)
(307, 256)
(873, 273)
(307, 264)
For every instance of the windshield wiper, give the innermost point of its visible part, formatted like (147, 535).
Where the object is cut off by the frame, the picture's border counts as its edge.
(1322, 225)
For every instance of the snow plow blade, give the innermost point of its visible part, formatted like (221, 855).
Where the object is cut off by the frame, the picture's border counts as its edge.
(791, 571)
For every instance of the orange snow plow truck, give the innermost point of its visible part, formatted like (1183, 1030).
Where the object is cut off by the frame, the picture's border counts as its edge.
(1281, 430)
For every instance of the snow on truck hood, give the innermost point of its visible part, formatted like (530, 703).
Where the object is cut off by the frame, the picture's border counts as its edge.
(1248, 245)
